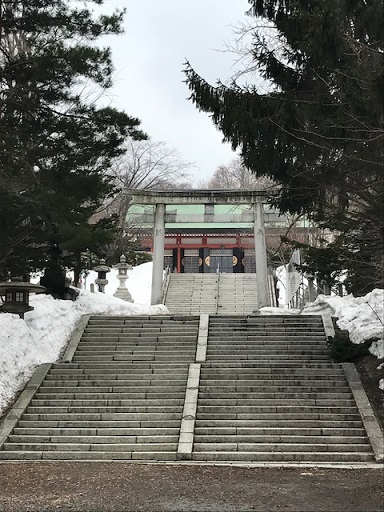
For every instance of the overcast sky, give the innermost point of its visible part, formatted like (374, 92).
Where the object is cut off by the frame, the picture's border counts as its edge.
(148, 58)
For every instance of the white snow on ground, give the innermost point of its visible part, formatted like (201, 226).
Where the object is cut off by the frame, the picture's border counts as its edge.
(138, 282)
(43, 335)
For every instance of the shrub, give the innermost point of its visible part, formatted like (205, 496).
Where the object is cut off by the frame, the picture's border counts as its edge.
(342, 350)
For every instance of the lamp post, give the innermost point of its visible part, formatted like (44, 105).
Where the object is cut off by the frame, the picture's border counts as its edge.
(102, 269)
(122, 290)
(16, 296)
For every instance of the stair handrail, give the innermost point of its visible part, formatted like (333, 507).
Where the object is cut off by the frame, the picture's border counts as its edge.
(300, 298)
(217, 292)
(272, 291)
(307, 292)
(166, 279)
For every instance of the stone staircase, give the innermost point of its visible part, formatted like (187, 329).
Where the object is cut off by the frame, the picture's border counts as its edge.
(192, 294)
(237, 294)
(213, 293)
(255, 389)
(121, 397)
(269, 392)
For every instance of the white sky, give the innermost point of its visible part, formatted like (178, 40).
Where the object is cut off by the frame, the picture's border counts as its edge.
(159, 37)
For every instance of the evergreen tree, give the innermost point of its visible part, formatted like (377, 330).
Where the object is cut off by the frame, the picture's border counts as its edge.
(319, 131)
(56, 142)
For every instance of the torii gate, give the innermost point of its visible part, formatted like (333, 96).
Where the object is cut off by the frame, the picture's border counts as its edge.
(161, 198)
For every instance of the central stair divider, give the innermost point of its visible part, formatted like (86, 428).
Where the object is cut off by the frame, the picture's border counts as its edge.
(187, 428)
(202, 340)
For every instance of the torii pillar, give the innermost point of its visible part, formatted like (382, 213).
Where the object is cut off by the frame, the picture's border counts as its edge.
(158, 254)
(261, 254)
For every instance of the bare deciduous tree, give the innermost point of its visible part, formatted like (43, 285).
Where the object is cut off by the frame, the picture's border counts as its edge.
(146, 164)
(150, 164)
(236, 176)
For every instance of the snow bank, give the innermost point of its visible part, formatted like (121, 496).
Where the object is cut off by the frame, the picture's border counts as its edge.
(138, 282)
(362, 317)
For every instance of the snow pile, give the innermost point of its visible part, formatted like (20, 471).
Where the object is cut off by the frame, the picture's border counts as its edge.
(362, 317)
(43, 335)
(267, 310)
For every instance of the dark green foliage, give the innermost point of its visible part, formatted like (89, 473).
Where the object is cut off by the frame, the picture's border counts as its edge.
(56, 144)
(342, 350)
(319, 131)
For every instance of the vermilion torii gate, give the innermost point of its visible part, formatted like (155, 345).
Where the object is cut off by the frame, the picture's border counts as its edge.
(161, 198)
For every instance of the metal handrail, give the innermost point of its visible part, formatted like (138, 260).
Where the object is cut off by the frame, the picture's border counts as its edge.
(272, 291)
(166, 280)
(302, 295)
(217, 292)
(300, 298)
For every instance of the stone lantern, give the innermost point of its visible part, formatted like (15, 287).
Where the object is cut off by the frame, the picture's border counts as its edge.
(122, 290)
(16, 295)
(102, 269)
(311, 286)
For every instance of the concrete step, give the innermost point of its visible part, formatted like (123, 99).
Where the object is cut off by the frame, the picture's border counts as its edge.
(254, 391)
(141, 380)
(98, 402)
(161, 336)
(278, 422)
(272, 357)
(105, 447)
(255, 432)
(272, 415)
(277, 401)
(280, 446)
(88, 455)
(98, 424)
(273, 362)
(255, 373)
(247, 411)
(147, 367)
(239, 354)
(140, 368)
(281, 456)
(139, 374)
(151, 440)
(120, 356)
(268, 398)
(111, 385)
(179, 341)
(102, 416)
(266, 378)
(90, 409)
(136, 432)
(117, 391)
(260, 441)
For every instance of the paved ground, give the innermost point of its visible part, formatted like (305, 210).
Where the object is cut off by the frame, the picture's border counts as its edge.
(100, 487)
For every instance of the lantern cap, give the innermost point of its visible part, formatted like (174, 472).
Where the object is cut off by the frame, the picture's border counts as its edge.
(101, 267)
(18, 284)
